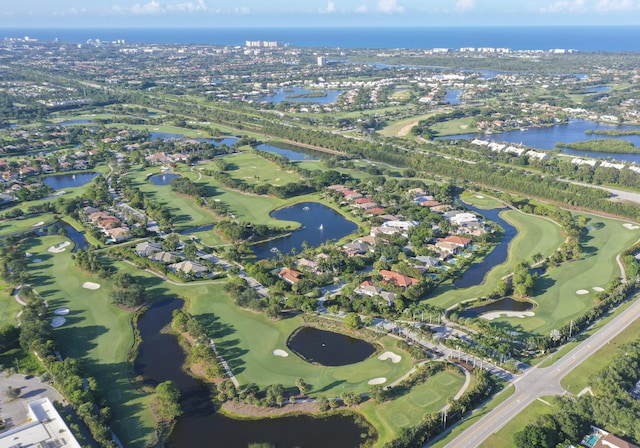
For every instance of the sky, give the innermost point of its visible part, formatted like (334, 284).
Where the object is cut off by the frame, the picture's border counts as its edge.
(316, 13)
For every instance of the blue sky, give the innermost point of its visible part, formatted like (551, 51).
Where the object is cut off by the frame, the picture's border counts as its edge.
(251, 13)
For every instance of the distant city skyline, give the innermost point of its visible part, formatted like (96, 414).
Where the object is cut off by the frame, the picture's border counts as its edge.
(315, 13)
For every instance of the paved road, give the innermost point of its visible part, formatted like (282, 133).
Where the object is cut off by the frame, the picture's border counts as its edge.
(537, 382)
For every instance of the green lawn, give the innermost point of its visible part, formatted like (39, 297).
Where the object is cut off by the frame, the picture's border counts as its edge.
(481, 200)
(455, 127)
(557, 292)
(255, 170)
(535, 234)
(395, 128)
(504, 437)
(578, 379)
(247, 341)
(20, 225)
(95, 331)
(391, 417)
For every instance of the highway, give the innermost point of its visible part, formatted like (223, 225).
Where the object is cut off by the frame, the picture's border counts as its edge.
(536, 382)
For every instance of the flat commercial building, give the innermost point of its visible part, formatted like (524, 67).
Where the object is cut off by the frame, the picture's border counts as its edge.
(46, 428)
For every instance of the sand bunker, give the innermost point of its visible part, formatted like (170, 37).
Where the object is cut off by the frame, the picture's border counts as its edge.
(597, 288)
(497, 314)
(582, 292)
(280, 353)
(479, 196)
(375, 381)
(90, 285)
(390, 355)
(38, 224)
(630, 226)
(59, 248)
(58, 322)
(36, 260)
(61, 311)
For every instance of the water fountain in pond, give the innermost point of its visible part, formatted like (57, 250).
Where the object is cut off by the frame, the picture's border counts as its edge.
(321, 227)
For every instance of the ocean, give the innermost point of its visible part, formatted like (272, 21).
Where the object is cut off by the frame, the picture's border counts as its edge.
(581, 38)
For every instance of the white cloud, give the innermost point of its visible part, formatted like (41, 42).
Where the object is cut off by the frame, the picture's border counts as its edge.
(564, 6)
(188, 6)
(362, 9)
(153, 7)
(243, 10)
(465, 5)
(389, 6)
(615, 5)
(331, 7)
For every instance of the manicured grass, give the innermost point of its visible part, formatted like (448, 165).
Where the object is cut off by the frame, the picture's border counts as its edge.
(185, 211)
(535, 234)
(9, 307)
(477, 415)
(20, 361)
(455, 127)
(255, 170)
(394, 128)
(390, 417)
(504, 437)
(247, 341)
(21, 225)
(578, 379)
(556, 293)
(95, 331)
(481, 200)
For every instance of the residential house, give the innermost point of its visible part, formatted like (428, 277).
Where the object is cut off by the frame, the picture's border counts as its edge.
(357, 248)
(308, 264)
(401, 280)
(166, 257)
(189, 267)
(458, 240)
(447, 247)
(427, 261)
(290, 275)
(118, 234)
(148, 248)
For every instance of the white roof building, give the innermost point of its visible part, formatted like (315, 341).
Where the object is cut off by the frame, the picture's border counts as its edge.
(45, 428)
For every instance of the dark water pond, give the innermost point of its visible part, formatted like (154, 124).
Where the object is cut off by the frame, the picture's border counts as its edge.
(598, 89)
(291, 152)
(62, 181)
(281, 95)
(504, 304)
(328, 348)
(160, 358)
(73, 122)
(78, 238)
(163, 179)
(574, 131)
(319, 224)
(453, 96)
(476, 273)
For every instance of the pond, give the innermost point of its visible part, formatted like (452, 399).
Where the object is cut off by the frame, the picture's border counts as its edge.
(160, 358)
(163, 179)
(504, 304)
(476, 273)
(292, 94)
(74, 122)
(78, 238)
(291, 152)
(319, 224)
(62, 181)
(453, 96)
(573, 131)
(328, 348)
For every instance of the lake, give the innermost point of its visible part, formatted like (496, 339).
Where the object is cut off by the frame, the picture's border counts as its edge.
(281, 95)
(229, 141)
(160, 358)
(574, 131)
(476, 273)
(319, 224)
(62, 181)
(504, 304)
(291, 152)
(163, 179)
(453, 96)
(328, 348)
